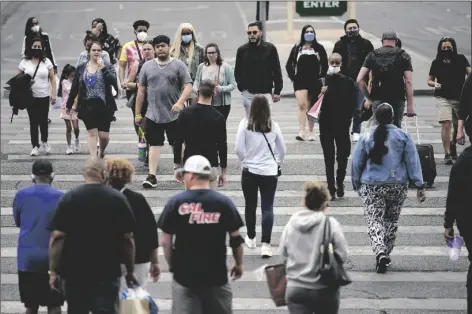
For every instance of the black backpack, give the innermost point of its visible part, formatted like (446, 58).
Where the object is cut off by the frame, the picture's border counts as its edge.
(387, 78)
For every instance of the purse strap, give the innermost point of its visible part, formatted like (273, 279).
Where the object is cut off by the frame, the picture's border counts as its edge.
(36, 71)
(139, 52)
(325, 257)
(270, 148)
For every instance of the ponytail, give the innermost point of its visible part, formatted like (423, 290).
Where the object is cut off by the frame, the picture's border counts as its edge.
(379, 149)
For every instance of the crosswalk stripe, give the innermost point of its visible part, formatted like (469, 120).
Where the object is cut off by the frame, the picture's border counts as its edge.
(251, 276)
(333, 210)
(247, 304)
(168, 156)
(353, 251)
(279, 229)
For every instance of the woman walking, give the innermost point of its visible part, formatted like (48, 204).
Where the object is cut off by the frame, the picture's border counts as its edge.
(44, 92)
(300, 248)
(384, 161)
(187, 49)
(109, 43)
(33, 30)
(71, 120)
(306, 64)
(257, 140)
(220, 72)
(121, 173)
(93, 84)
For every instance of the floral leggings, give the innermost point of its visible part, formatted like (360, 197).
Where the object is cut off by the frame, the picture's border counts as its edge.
(382, 208)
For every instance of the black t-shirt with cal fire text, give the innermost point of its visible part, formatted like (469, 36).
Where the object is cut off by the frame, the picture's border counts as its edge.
(200, 220)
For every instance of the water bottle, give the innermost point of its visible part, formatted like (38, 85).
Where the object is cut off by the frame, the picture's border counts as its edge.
(142, 151)
(455, 246)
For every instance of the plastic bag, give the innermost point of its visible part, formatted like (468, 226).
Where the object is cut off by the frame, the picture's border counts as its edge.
(137, 301)
(58, 103)
(260, 273)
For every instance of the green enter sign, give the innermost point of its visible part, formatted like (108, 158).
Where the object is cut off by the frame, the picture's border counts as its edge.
(321, 8)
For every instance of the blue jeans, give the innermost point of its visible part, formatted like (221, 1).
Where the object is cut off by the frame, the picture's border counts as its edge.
(357, 118)
(251, 184)
(398, 109)
(98, 297)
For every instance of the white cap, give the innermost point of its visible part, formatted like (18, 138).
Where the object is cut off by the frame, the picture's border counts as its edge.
(197, 164)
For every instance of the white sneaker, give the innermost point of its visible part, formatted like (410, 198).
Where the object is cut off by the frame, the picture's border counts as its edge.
(47, 148)
(251, 243)
(98, 143)
(311, 137)
(35, 151)
(69, 150)
(266, 250)
(300, 136)
(355, 137)
(77, 146)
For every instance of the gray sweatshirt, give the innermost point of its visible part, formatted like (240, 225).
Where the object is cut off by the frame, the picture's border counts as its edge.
(300, 247)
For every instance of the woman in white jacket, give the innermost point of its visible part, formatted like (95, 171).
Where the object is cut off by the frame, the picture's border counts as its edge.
(257, 141)
(300, 247)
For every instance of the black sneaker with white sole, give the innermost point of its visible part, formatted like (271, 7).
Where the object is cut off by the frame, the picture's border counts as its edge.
(150, 182)
(382, 262)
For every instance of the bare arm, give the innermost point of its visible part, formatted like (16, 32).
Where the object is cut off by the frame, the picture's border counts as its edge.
(166, 241)
(52, 78)
(140, 99)
(56, 247)
(121, 72)
(361, 81)
(238, 252)
(185, 94)
(431, 81)
(132, 84)
(408, 75)
(129, 252)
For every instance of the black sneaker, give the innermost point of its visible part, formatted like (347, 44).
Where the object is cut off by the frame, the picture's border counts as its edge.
(453, 152)
(150, 182)
(382, 262)
(340, 190)
(333, 194)
(448, 159)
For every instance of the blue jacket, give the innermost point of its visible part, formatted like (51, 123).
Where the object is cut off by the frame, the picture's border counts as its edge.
(399, 166)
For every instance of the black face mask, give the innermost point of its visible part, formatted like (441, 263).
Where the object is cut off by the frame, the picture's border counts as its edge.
(352, 33)
(446, 53)
(36, 52)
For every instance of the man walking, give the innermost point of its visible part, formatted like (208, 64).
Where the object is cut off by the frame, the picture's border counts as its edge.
(161, 80)
(257, 68)
(392, 73)
(92, 235)
(201, 219)
(202, 128)
(33, 208)
(354, 49)
(465, 112)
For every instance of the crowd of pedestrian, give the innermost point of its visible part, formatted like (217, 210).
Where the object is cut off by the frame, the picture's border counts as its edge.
(101, 237)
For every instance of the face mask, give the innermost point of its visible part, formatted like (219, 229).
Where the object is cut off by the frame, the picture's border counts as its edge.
(333, 70)
(36, 52)
(142, 36)
(352, 33)
(309, 36)
(446, 53)
(35, 28)
(187, 38)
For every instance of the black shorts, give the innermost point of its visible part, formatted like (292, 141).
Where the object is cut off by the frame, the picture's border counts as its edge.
(35, 290)
(96, 115)
(155, 132)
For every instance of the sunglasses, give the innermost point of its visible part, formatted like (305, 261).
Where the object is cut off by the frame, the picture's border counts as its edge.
(252, 33)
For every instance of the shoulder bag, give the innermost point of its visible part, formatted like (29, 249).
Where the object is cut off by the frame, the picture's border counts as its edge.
(279, 170)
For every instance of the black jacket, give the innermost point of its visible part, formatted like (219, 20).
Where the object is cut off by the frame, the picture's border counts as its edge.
(459, 195)
(465, 105)
(257, 69)
(291, 64)
(145, 235)
(78, 87)
(341, 48)
(340, 101)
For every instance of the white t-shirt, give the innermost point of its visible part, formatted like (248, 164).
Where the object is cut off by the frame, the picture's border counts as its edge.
(41, 87)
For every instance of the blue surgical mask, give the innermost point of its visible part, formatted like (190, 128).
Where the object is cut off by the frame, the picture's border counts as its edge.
(309, 36)
(187, 38)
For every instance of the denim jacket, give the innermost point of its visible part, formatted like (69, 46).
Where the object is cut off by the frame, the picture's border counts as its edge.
(399, 166)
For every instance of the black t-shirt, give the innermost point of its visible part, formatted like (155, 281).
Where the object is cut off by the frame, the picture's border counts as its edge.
(451, 76)
(200, 221)
(395, 92)
(94, 218)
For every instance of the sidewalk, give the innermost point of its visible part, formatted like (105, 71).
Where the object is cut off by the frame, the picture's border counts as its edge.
(328, 37)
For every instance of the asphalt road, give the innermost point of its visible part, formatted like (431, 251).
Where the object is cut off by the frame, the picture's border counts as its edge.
(422, 280)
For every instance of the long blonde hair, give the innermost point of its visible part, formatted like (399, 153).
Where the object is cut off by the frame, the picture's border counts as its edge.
(175, 48)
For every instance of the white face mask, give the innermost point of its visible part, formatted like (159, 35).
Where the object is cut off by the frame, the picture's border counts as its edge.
(333, 70)
(35, 28)
(142, 36)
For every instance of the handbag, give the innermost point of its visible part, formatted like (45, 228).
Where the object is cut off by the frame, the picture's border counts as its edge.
(132, 100)
(332, 273)
(277, 283)
(279, 170)
(313, 113)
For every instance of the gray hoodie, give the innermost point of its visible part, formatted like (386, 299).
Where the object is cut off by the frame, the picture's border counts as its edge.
(300, 247)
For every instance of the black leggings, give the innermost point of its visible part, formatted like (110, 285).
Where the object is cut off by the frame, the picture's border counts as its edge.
(38, 112)
(224, 110)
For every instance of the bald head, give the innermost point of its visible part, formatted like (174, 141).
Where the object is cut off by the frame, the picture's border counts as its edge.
(335, 57)
(95, 170)
(334, 61)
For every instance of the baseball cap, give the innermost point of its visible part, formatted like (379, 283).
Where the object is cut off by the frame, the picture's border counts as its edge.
(197, 164)
(389, 35)
(42, 167)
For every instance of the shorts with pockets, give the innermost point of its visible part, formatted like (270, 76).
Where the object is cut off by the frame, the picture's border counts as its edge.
(35, 291)
(447, 109)
(155, 132)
